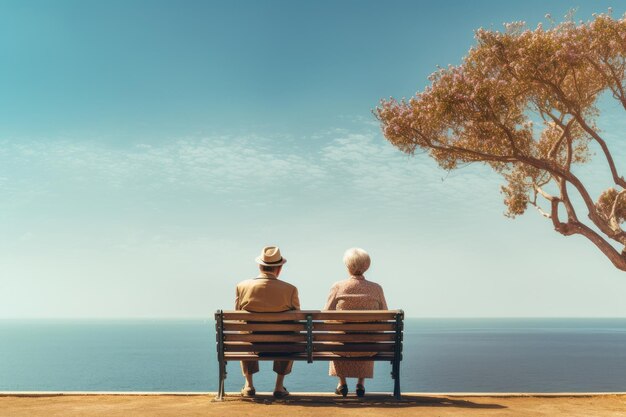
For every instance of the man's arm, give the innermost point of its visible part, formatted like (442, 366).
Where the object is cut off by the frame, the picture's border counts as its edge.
(295, 301)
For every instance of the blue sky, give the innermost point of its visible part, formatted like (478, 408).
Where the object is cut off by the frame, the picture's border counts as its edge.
(149, 149)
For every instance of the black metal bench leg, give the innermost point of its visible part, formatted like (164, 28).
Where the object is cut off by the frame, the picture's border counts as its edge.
(222, 378)
(396, 388)
(220, 383)
(398, 355)
(396, 380)
(221, 362)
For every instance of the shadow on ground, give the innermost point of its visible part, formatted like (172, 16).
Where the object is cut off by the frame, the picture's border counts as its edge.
(367, 402)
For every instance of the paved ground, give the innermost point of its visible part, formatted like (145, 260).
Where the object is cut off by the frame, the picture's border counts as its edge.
(310, 405)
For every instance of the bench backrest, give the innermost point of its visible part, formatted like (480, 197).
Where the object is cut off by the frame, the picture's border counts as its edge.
(311, 334)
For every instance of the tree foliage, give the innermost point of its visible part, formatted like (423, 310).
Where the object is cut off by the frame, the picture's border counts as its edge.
(524, 102)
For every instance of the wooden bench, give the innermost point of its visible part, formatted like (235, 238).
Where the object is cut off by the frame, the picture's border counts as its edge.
(309, 335)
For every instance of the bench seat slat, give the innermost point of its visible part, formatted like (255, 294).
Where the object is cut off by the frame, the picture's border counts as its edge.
(235, 326)
(317, 337)
(357, 347)
(351, 315)
(317, 356)
(246, 337)
(264, 347)
(387, 327)
(239, 326)
(354, 315)
(301, 347)
(354, 337)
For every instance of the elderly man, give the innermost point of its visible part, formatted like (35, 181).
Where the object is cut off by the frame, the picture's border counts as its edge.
(267, 294)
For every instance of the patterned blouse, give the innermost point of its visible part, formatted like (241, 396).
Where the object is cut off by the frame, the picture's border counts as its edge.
(355, 293)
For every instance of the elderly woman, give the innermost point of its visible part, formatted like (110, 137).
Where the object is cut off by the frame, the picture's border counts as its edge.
(354, 293)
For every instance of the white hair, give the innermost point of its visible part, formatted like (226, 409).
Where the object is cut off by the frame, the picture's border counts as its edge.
(357, 261)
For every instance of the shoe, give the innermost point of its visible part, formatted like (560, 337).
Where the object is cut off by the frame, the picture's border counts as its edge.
(360, 390)
(279, 395)
(342, 390)
(248, 392)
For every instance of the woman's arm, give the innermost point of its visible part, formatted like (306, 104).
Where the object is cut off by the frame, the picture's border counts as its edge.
(331, 303)
(381, 300)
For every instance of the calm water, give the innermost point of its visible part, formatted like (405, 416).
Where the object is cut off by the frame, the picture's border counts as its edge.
(440, 355)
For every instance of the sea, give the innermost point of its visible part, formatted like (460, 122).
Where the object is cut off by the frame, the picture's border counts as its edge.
(440, 355)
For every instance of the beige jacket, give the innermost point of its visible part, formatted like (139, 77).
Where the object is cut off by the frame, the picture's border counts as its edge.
(266, 294)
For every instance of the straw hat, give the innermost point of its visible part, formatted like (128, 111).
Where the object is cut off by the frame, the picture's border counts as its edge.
(270, 257)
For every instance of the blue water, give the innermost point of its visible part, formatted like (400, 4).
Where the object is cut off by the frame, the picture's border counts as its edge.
(448, 355)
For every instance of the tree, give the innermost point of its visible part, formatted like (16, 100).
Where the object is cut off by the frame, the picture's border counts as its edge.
(524, 102)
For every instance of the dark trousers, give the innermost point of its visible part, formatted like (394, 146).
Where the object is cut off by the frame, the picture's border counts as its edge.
(280, 367)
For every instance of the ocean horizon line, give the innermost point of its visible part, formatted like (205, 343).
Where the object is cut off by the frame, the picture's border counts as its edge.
(210, 317)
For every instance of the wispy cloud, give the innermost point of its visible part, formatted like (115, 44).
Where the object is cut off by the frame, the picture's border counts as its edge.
(219, 165)
(333, 163)
(377, 170)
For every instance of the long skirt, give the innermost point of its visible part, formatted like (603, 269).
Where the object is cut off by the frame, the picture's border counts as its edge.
(352, 369)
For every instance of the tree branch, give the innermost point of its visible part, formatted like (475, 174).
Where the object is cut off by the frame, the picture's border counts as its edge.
(571, 178)
(565, 129)
(575, 112)
(605, 149)
(613, 222)
(480, 156)
(618, 259)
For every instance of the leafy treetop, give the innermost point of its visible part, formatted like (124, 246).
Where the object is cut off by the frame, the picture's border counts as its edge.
(524, 102)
